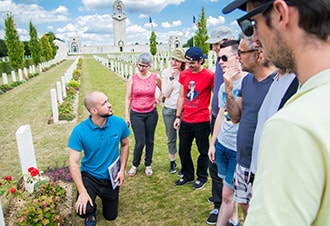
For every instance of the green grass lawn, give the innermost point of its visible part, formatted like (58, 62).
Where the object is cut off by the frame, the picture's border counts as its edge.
(143, 200)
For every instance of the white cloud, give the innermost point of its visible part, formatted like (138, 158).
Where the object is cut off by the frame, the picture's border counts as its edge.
(23, 13)
(174, 24)
(61, 10)
(97, 4)
(214, 21)
(142, 16)
(177, 23)
(91, 28)
(146, 6)
(166, 25)
(148, 25)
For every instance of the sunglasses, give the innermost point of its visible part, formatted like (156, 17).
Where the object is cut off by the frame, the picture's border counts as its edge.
(240, 52)
(247, 24)
(224, 58)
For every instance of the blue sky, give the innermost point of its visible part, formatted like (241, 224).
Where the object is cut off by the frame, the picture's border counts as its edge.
(90, 20)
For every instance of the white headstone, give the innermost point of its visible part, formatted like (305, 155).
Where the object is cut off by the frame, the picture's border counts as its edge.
(13, 76)
(2, 219)
(122, 70)
(59, 92)
(25, 148)
(130, 71)
(20, 75)
(63, 86)
(4, 78)
(25, 72)
(211, 60)
(54, 105)
(126, 71)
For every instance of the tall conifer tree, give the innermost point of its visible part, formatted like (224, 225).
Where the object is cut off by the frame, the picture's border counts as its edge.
(201, 34)
(34, 44)
(14, 46)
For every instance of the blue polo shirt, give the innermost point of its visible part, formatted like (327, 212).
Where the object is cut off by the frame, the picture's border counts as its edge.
(100, 145)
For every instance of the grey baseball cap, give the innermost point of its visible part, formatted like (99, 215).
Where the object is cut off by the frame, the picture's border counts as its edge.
(219, 34)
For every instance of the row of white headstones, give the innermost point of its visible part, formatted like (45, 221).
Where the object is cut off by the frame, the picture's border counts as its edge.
(24, 135)
(57, 95)
(124, 64)
(23, 73)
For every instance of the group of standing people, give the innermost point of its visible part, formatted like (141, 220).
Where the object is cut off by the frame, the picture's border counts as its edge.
(260, 75)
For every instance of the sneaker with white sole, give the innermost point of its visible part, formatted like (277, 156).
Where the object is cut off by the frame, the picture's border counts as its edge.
(231, 223)
(213, 218)
(198, 185)
(182, 181)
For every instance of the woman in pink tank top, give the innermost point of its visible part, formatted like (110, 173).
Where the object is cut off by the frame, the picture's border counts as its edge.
(141, 111)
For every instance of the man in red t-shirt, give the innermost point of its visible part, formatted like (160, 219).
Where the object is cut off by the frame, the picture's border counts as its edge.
(196, 86)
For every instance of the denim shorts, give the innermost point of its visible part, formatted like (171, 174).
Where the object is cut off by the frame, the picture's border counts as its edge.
(226, 164)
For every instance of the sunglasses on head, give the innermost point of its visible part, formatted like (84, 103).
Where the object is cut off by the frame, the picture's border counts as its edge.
(247, 24)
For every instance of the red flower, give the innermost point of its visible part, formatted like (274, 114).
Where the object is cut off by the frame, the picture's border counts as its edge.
(12, 190)
(0, 184)
(8, 178)
(33, 171)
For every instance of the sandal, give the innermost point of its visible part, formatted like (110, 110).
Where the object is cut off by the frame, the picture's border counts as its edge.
(132, 171)
(148, 171)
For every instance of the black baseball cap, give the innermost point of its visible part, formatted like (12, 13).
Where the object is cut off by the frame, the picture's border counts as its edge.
(237, 4)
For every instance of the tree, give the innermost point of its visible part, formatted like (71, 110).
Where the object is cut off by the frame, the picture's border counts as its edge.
(46, 49)
(3, 49)
(201, 34)
(153, 43)
(14, 46)
(27, 51)
(34, 44)
(189, 43)
(51, 38)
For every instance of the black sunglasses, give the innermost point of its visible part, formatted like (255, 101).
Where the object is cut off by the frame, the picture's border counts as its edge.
(224, 58)
(247, 24)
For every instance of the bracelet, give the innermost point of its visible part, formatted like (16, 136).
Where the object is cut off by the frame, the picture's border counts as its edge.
(177, 117)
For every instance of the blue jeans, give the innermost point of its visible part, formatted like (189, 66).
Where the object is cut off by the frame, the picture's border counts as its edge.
(144, 125)
(103, 189)
(187, 133)
(171, 133)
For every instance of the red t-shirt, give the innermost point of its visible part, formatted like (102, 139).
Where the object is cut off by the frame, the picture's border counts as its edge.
(197, 94)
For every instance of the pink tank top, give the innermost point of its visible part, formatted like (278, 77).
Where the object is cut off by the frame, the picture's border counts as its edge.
(143, 93)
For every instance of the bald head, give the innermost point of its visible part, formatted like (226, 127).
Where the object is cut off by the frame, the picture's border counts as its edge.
(91, 99)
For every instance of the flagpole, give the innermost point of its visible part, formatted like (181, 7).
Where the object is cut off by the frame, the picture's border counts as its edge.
(151, 26)
(194, 22)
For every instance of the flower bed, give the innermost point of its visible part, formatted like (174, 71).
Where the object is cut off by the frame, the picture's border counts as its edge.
(39, 199)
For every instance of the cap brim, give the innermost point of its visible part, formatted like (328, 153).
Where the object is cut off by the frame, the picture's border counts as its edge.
(213, 40)
(237, 4)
